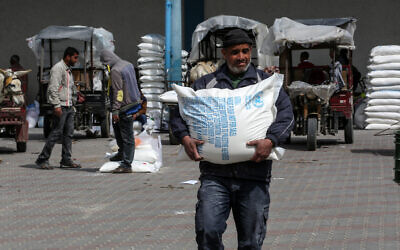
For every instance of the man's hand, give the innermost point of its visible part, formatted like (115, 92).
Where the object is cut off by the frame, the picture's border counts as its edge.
(134, 116)
(190, 145)
(263, 149)
(271, 69)
(115, 118)
(57, 112)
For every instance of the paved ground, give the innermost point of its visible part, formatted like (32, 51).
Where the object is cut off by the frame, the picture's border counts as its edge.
(338, 197)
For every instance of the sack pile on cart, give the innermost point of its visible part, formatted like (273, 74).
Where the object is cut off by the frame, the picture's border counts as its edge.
(152, 73)
(383, 109)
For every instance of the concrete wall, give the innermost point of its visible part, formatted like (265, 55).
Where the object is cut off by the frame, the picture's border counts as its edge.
(126, 19)
(377, 20)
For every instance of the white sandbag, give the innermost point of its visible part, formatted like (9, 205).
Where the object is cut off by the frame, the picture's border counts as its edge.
(151, 65)
(159, 85)
(154, 38)
(388, 94)
(383, 108)
(384, 102)
(377, 88)
(227, 119)
(385, 50)
(169, 96)
(385, 59)
(381, 121)
(145, 153)
(151, 78)
(152, 97)
(157, 105)
(151, 46)
(384, 115)
(150, 59)
(108, 167)
(381, 126)
(384, 81)
(150, 53)
(152, 91)
(137, 166)
(384, 66)
(384, 73)
(152, 72)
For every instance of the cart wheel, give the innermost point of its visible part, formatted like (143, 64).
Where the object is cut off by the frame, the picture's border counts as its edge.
(172, 139)
(312, 124)
(21, 146)
(47, 125)
(105, 126)
(348, 131)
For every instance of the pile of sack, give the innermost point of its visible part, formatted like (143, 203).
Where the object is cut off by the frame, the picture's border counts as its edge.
(383, 108)
(147, 158)
(152, 73)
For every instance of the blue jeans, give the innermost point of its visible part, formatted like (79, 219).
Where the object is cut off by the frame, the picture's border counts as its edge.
(123, 131)
(249, 201)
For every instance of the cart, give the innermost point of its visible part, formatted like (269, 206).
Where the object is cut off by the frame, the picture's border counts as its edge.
(13, 123)
(320, 105)
(90, 76)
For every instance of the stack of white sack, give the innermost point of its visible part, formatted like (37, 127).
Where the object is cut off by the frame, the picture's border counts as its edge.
(227, 119)
(152, 73)
(147, 158)
(383, 109)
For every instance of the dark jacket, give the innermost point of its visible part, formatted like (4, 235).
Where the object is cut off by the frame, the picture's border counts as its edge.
(124, 88)
(277, 132)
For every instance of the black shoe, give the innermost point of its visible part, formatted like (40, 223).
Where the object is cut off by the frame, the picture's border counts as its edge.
(43, 165)
(69, 164)
(117, 157)
(122, 170)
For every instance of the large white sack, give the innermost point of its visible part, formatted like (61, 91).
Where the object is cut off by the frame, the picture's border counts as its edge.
(150, 59)
(150, 53)
(385, 59)
(152, 91)
(159, 85)
(151, 65)
(384, 73)
(151, 72)
(385, 50)
(383, 108)
(377, 88)
(169, 96)
(137, 166)
(384, 81)
(382, 126)
(384, 115)
(155, 105)
(151, 46)
(151, 78)
(384, 66)
(154, 38)
(152, 97)
(381, 121)
(227, 119)
(384, 102)
(389, 94)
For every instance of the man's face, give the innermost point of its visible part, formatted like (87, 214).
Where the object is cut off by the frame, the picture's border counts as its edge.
(71, 60)
(237, 57)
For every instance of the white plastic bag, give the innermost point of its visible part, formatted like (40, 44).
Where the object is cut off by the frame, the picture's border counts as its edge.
(388, 94)
(154, 38)
(384, 73)
(152, 72)
(151, 46)
(227, 119)
(385, 59)
(382, 126)
(150, 53)
(151, 65)
(385, 50)
(151, 78)
(152, 97)
(169, 96)
(384, 81)
(384, 66)
(383, 108)
(152, 91)
(384, 115)
(384, 102)
(150, 59)
(159, 85)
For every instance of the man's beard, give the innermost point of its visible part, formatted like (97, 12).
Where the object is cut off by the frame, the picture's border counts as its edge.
(236, 70)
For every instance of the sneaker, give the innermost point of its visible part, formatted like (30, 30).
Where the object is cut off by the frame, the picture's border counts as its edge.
(122, 170)
(69, 164)
(117, 157)
(43, 164)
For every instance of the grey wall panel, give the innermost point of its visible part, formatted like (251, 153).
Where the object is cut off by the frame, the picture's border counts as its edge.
(126, 19)
(377, 20)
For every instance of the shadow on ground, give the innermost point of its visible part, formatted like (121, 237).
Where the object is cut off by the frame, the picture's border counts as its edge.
(383, 152)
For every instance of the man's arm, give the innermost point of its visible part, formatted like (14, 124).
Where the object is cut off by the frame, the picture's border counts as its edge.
(117, 92)
(53, 88)
(282, 126)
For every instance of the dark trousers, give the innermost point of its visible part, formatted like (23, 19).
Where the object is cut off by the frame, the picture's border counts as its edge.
(249, 201)
(123, 131)
(63, 128)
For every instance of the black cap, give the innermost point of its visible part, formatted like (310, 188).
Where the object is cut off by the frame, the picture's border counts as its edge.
(236, 36)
